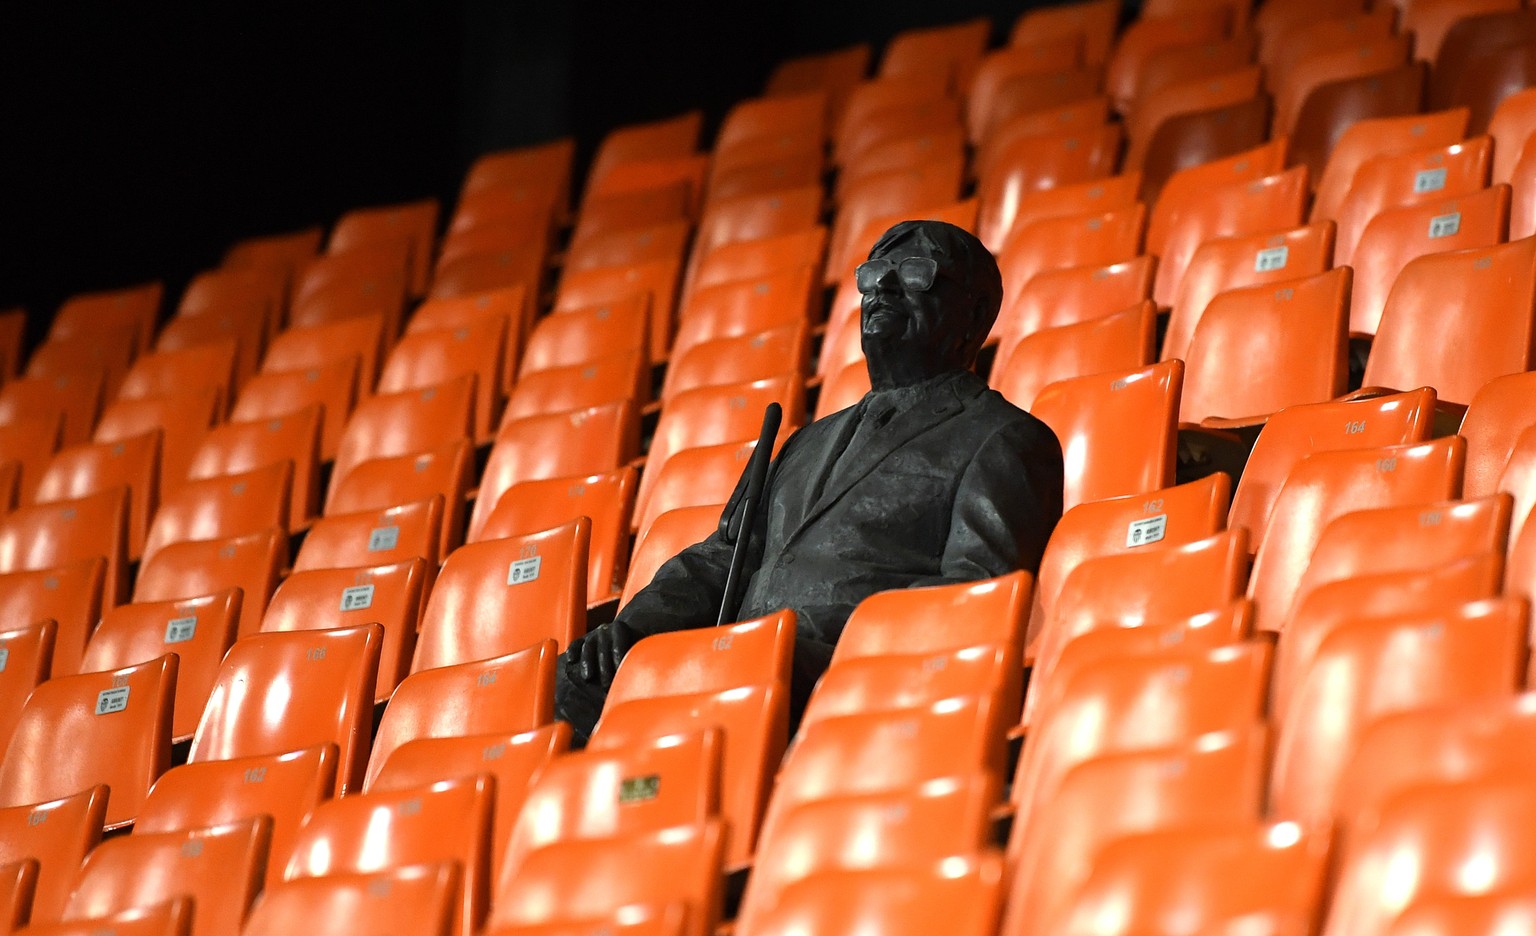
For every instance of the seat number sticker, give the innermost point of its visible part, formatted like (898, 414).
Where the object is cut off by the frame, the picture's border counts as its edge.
(5, 657)
(1273, 258)
(178, 630)
(1144, 532)
(383, 538)
(524, 570)
(639, 789)
(1445, 225)
(111, 700)
(357, 598)
(1429, 180)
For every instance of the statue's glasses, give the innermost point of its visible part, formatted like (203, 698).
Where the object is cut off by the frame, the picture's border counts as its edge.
(917, 273)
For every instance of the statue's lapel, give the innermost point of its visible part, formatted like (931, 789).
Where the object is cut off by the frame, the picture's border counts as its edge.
(902, 428)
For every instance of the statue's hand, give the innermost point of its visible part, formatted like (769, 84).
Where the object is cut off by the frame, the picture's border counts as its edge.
(603, 649)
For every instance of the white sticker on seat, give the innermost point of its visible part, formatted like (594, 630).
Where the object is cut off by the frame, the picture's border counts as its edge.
(383, 538)
(1143, 532)
(1445, 225)
(1272, 258)
(1429, 180)
(5, 657)
(357, 598)
(111, 700)
(180, 629)
(524, 570)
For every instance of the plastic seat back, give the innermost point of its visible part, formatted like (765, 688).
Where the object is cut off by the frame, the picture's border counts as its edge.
(1364, 56)
(1261, 349)
(671, 781)
(497, 597)
(286, 251)
(219, 868)
(378, 483)
(235, 448)
(1133, 412)
(750, 653)
(405, 423)
(702, 475)
(283, 692)
(374, 537)
(1070, 241)
(1229, 263)
(576, 336)
(1494, 310)
(197, 630)
(607, 500)
(576, 443)
(73, 399)
(959, 894)
(81, 313)
(444, 822)
(1294, 433)
(654, 284)
(1005, 208)
(120, 737)
(391, 596)
(1189, 187)
(371, 280)
(507, 694)
(1330, 110)
(669, 534)
(1274, 202)
(283, 787)
(1396, 237)
(956, 616)
(68, 595)
(580, 880)
(1499, 411)
(30, 442)
(83, 470)
(182, 418)
(1323, 486)
(1120, 341)
(1210, 877)
(253, 563)
(1214, 779)
(321, 347)
(613, 378)
(223, 507)
(1397, 180)
(28, 654)
(1094, 21)
(166, 372)
(415, 898)
(57, 834)
(246, 330)
(332, 387)
(413, 222)
(46, 536)
(515, 760)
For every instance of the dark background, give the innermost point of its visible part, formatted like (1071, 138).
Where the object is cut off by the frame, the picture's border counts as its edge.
(140, 140)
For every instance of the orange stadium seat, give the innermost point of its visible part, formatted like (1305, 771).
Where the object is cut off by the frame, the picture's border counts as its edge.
(445, 822)
(1499, 411)
(1149, 35)
(74, 400)
(577, 336)
(417, 898)
(1322, 486)
(1324, 66)
(219, 869)
(960, 894)
(1071, 241)
(899, 192)
(282, 692)
(738, 308)
(166, 372)
(1224, 263)
(1489, 292)
(1414, 177)
(542, 171)
(286, 251)
(252, 563)
(222, 507)
(1094, 21)
(1190, 186)
(1331, 109)
(1260, 349)
(57, 835)
(1070, 295)
(1119, 341)
(28, 652)
(1195, 121)
(320, 347)
(508, 305)
(1294, 433)
(391, 596)
(606, 499)
(108, 351)
(126, 753)
(403, 424)
(413, 222)
(507, 694)
(284, 787)
(365, 280)
(197, 630)
(182, 418)
(668, 535)
(332, 387)
(998, 66)
(429, 358)
(82, 313)
(375, 537)
(1133, 412)
(238, 447)
(671, 136)
(46, 536)
(1011, 207)
(612, 378)
(1213, 877)
(575, 443)
(255, 292)
(18, 882)
(378, 483)
(217, 330)
(1512, 124)
(696, 476)
(496, 597)
(1020, 166)
(30, 442)
(515, 760)
(84, 470)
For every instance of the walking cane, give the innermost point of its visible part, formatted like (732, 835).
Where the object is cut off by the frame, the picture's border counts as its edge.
(757, 472)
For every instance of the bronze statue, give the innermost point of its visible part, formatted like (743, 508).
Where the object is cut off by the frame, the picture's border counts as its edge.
(931, 478)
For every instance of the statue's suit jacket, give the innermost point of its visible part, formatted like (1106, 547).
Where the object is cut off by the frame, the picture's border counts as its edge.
(961, 486)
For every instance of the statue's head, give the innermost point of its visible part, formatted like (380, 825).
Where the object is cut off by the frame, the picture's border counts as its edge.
(931, 292)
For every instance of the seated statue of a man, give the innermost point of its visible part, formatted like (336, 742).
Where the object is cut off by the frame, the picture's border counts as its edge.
(931, 478)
